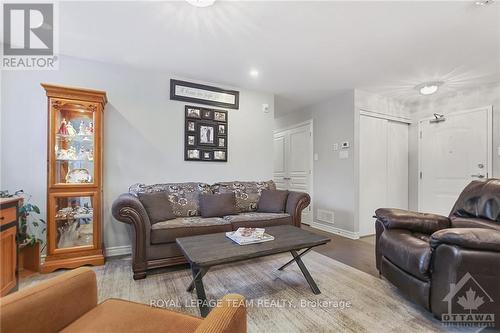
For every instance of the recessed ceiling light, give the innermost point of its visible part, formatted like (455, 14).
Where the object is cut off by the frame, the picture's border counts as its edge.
(201, 3)
(254, 73)
(429, 88)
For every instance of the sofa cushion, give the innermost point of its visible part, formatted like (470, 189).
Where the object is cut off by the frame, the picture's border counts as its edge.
(114, 315)
(182, 196)
(218, 205)
(272, 201)
(258, 220)
(168, 231)
(157, 206)
(247, 193)
(407, 251)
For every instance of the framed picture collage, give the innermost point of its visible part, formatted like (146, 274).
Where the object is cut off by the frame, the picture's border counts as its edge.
(205, 134)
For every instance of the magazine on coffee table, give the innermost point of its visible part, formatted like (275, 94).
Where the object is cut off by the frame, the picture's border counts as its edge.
(245, 236)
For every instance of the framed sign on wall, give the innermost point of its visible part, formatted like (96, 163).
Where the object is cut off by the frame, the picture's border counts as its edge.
(205, 134)
(203, 94)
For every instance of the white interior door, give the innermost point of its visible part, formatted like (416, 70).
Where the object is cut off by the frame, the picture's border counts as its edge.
(293, 162)
(372, 170)
(280, 156)
(397, 165)
(452, 153)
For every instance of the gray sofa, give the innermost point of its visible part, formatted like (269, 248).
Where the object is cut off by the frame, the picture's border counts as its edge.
(153, 245)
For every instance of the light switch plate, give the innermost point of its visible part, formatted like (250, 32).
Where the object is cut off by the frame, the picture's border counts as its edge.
(316, 157)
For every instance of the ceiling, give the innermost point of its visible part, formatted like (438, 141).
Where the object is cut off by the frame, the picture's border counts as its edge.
(303, 51)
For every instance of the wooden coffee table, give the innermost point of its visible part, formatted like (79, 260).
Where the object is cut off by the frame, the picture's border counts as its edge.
(205, 251)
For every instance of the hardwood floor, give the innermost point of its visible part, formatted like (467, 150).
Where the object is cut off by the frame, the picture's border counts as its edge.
(359, 253)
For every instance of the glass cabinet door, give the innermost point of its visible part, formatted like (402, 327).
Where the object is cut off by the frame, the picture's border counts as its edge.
(74, 218)
(74, 143)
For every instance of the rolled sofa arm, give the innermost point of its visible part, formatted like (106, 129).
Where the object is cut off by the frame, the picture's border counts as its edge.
(50, 305)
(230, 316)
(393, 218)
(468, 238)
(295, 204)
(128, 209)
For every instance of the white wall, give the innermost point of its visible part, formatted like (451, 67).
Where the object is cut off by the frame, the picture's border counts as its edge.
(333, 177)
(449, 103)
(143, 134)
(335, 121)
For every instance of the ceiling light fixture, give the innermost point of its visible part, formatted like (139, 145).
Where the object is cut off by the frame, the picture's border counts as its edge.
(484, 2)
(201, 3)
(429, 88)
(254, 73)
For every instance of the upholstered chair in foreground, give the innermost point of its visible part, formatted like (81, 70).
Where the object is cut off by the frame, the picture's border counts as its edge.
(68, 303)
(434, 260)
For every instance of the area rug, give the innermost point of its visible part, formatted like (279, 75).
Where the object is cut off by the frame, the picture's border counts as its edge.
(278, 301)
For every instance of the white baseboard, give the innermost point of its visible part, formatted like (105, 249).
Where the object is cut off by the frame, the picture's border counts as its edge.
(118, 251)
(336, 231)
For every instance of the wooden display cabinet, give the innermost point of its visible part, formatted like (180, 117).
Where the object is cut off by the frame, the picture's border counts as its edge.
(9, 220)
(74, 185)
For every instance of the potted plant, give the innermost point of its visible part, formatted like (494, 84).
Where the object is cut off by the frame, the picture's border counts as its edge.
(30, 227)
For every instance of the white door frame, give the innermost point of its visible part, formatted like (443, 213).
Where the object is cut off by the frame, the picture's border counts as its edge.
(309, 122)
(489, 113)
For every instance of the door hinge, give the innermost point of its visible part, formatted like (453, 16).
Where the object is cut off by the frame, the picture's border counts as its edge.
(310, 134)
(420, 174)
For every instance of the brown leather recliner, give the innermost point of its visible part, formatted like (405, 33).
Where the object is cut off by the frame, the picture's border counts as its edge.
(435, 260)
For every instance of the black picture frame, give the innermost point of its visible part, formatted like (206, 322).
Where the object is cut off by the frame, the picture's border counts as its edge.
(208, 89)
(203, 138)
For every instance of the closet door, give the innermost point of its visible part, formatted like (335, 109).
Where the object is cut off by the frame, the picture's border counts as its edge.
(397, 165)
(293, 162)
(372, 170)
(280, 157)
(383, 168)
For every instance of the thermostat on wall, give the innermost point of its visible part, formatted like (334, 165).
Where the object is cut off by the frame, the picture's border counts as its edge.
(345, 145)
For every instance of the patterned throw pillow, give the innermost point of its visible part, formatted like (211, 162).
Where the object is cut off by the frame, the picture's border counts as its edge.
(182, 196)
(247, 193)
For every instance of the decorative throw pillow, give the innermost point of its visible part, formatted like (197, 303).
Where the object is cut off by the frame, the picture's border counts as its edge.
(157, 206)
(272, 201)
(247, 193)
(218, 205)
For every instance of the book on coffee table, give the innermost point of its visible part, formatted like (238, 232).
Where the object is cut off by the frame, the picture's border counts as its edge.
(245, 236)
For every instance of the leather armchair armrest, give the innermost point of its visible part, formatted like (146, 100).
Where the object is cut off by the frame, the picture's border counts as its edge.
(393, 218)
(295, 204)
(128, 209)
(230, 316)
(468, 238)
(50, 305)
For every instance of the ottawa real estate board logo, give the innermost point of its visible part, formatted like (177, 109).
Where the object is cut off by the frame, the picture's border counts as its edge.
(29, 36)
(469, 304)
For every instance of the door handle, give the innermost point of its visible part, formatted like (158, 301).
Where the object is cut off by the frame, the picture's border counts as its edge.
(480, 176)
(287, 178)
